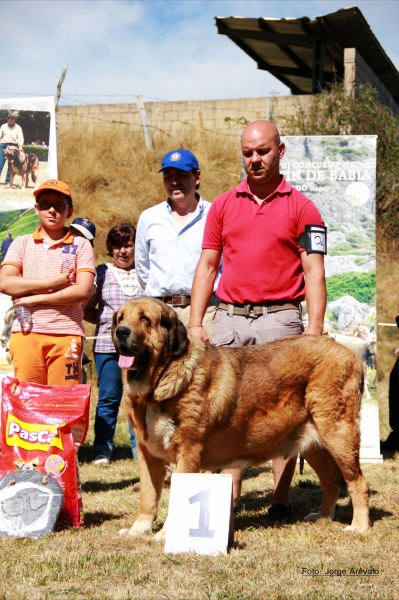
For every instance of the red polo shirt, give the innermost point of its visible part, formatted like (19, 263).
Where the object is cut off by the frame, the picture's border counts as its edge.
(261, 256)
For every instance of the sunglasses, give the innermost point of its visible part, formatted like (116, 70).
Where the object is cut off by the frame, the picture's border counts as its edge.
(47, 204)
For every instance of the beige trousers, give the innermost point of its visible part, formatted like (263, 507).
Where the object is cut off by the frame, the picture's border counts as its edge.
(183, 312)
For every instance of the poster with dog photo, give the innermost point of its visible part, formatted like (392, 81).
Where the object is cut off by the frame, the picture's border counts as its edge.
(28, 152)
(339, 174)
(28, 145)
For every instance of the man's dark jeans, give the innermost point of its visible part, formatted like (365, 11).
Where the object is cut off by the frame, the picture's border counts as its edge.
(3, 160)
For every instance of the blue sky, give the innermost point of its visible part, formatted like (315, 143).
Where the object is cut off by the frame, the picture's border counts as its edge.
(162, 49)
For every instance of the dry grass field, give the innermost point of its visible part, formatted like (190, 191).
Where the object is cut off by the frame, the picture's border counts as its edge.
(387, 309)
(113, 178)
(267, 560)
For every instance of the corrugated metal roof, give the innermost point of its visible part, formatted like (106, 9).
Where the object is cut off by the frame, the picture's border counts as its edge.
(286, 47)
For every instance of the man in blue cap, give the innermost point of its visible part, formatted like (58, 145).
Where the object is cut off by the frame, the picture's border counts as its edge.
(169, 237)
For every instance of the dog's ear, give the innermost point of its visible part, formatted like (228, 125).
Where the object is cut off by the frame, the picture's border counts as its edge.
(178, 340)
(114, 320)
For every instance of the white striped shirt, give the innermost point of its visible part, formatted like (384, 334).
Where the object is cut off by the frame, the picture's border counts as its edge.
(36, 259)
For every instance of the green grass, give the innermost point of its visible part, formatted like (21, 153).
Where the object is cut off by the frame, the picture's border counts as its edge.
(359, 285)
(348, 153)
(19, 222)
(345, 249)
(352, 248)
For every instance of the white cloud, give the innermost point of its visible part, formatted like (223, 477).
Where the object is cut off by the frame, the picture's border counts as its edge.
(163, 48)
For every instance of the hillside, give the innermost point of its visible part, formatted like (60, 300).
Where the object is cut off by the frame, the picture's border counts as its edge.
(113, 177)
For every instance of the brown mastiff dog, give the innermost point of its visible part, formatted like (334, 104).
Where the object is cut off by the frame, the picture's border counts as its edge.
(207, 408)
(22, 164)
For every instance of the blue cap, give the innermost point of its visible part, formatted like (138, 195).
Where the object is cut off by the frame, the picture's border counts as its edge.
(179, 159)
(86, 227)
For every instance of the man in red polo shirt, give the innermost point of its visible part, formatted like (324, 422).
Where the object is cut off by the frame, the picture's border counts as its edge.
(261, 227)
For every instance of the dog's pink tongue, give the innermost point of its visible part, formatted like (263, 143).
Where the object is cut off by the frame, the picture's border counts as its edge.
(125, 362)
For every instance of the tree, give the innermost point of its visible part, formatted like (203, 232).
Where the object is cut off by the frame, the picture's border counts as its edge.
(334, 112)
(35, 124)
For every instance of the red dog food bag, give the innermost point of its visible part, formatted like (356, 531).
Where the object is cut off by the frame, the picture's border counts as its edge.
(42, 427)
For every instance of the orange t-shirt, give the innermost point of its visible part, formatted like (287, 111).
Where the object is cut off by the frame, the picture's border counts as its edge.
(36, 259)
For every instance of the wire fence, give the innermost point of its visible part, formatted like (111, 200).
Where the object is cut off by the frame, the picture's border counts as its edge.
(214, 117)
(218, 117)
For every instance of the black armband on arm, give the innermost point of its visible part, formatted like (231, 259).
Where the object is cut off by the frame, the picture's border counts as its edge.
(314, 239)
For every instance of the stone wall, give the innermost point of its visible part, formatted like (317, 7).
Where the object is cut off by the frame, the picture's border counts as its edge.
(357, 72)
(226, 116)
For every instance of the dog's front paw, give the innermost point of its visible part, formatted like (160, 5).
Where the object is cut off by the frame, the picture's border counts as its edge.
(140, 527)
(313, 517)
(160, 536)
(126, 532)
(356, 529)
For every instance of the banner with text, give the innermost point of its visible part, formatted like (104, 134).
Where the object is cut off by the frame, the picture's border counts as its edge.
(338, 173)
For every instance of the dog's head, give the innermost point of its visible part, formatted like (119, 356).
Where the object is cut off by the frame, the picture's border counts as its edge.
(11, 152)
(148, 336)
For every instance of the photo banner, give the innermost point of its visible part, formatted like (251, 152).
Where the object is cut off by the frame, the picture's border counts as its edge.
(28, 157)
(338, 173)
(28, 150)
(28, 153)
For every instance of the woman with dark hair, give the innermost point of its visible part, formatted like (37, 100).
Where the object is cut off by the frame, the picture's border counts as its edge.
(116, 284)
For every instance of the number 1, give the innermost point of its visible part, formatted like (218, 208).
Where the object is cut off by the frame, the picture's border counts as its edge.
(203, 529)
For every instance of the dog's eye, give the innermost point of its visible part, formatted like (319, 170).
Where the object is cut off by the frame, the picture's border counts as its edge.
(145, 320)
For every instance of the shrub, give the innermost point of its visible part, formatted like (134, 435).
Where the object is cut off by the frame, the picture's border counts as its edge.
(360, 286)
(40, 151)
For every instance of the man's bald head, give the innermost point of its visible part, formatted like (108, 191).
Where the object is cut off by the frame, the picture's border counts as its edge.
(261, 152)
(261, 128)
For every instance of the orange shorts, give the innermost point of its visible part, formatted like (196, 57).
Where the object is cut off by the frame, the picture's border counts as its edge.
(47, 359)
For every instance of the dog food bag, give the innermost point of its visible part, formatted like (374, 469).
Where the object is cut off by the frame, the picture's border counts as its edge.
(42, 427)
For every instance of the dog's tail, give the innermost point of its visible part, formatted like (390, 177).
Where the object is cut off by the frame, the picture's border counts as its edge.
(33, 167)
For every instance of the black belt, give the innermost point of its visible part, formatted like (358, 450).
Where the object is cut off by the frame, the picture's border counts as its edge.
(255, 310)
(176, 300)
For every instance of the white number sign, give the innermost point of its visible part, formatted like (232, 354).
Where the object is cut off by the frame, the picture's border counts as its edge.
(200, 517)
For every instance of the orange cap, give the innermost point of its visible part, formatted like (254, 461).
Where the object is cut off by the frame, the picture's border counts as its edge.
(53, 184)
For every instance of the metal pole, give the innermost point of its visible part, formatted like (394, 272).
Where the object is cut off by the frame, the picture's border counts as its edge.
(59, 85)
(144, 122)
(57, 98)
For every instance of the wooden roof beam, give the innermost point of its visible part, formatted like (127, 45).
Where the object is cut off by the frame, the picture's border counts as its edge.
(288, 52)
(264, 66)
(264, 36)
